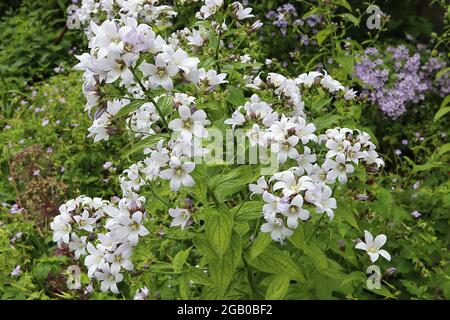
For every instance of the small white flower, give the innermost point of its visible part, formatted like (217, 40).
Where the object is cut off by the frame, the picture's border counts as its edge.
(372, 247)
(84, 222)
(277, 229)
(178, 173)
(61, 228)
(16, 272)
(180, 217)
(141, 294)
(260, 186)
(190, 123)
(77, 245)
(294, 211)
(160, 73)
(338, 169)
(120, 258)
(240, 12)
(95, 260)
(109, 279)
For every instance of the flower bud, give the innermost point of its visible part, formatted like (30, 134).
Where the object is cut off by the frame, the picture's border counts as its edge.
(389, 272)
(341, 245)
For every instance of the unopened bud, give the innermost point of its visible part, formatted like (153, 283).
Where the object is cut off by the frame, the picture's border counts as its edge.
(341, 244)
(362, 197)
(255, 26)
(389, 272)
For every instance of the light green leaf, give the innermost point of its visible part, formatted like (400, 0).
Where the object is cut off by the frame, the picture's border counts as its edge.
(129, 108)
(263, 239)
(275, 261)
(235, 96)
(278, 288)
(441, 112)
(350, 18)
(297, 238)
(218, 228)
(318, 258)
(180, 259)
(322, 35)
(250, 210)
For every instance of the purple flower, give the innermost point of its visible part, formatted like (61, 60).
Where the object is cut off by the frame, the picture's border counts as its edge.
(416, 214)
(397, 79)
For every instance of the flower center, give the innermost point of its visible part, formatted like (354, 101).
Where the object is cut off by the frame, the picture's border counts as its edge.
(128, 47)
(134, 226)
(161, 72)
(120, 64)
(372, 250)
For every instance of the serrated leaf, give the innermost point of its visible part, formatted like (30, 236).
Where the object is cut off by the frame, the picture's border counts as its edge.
(218, 229)
(318, 258)
(231, 182)
(222, 269)
(298, 238)
(263, 239)
(278, 288)
(275, 261)
(235, 96)
(248, 211)
(180, 259)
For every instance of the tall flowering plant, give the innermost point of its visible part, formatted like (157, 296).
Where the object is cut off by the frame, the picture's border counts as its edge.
(199, 206)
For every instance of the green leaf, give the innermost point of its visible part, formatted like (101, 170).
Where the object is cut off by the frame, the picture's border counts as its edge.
(350, 18)
(345, 4)
(298, 238)
(148, 142)
(229, 183)
(442, 72)
(346, 61)
(129, 108)
(218, 228)
(327, 121)
(165, 104)
(263, 239)
(278, 288)
(322, 35)
(345, 211)
(443, 149)
(180, 259)
(221, 274)
(248, 211)
(318, 258)
(235, 96)
(319, 104)
(275, 261)
(222, 269)
(441, 112)
(443, 109)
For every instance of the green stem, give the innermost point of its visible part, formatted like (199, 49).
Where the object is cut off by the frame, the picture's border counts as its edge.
(149, 97)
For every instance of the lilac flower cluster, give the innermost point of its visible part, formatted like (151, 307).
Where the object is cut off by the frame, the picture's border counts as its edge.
(395, 80)
(286, 16)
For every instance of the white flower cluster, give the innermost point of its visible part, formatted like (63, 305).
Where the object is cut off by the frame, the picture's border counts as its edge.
(289, 90)
(102, 233)
(292, 140)
(147, 11)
